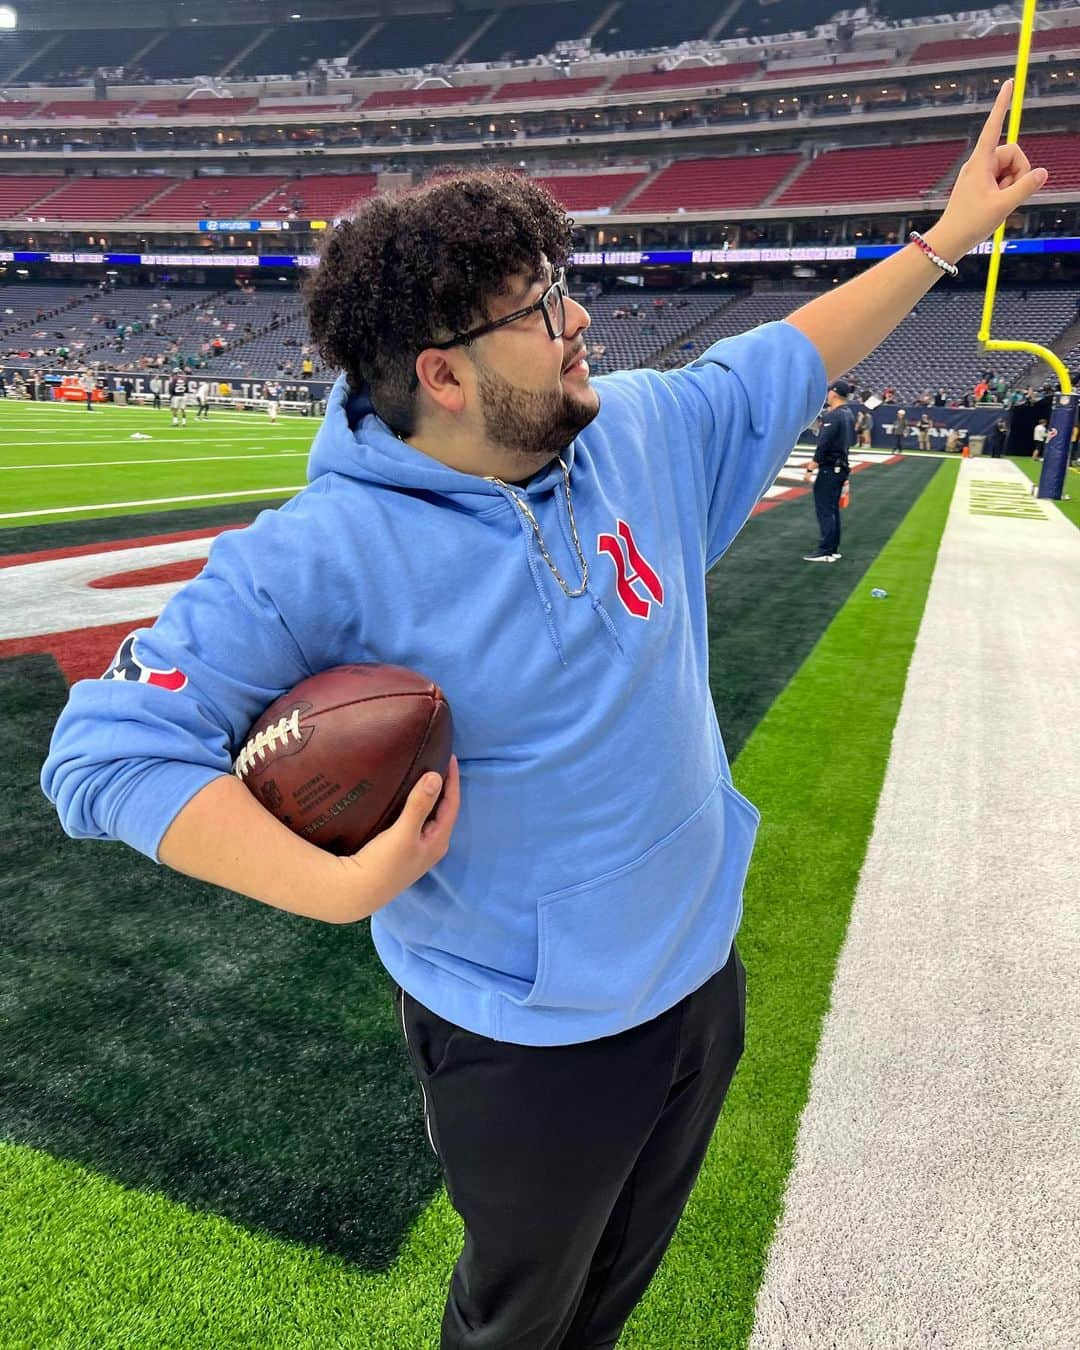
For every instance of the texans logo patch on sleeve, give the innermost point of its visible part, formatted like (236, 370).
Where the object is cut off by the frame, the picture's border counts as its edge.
(127, 666)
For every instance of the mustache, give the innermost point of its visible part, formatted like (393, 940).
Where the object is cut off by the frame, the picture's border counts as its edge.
(576, 356)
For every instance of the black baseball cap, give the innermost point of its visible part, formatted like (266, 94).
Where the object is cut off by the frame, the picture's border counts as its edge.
(840, 387)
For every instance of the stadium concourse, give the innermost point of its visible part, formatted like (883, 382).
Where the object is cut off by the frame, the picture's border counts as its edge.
(209, 1130)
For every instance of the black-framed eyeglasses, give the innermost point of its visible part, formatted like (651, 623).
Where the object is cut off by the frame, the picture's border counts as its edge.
(552, 305)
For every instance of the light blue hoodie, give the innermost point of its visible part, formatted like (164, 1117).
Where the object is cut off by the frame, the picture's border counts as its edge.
(595, 874)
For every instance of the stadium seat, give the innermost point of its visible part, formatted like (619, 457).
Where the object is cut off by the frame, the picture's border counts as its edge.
(214, 196)
(701, 184)
(687, 77)
(873, 173)
(551, 91)
(99, 199)
(590, 191)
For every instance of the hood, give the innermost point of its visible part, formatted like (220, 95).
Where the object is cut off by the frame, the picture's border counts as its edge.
(355, 442)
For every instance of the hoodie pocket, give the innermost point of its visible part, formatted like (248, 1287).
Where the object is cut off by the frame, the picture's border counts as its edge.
(608, 943)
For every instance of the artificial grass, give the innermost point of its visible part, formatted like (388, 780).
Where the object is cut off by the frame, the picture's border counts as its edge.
(768, 608)
(1069, 506)
(88, 460)
(236, 1153)
(814, 767)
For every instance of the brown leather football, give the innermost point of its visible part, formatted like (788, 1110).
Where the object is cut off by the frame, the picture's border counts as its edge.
(336, 757)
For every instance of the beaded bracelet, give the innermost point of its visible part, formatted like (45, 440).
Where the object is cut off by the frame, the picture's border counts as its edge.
(916, 238)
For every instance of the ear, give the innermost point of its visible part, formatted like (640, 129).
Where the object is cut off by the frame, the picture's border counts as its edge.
(437, 373)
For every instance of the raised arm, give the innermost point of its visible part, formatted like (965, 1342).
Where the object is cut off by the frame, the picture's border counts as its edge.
(846, 324)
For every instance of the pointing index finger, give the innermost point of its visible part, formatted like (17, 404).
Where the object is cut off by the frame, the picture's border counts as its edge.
(992, 127)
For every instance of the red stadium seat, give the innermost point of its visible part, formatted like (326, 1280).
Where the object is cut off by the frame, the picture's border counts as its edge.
(18, 192)
(99, 199)
(217, 197)
(322, 195)
(554, 91)
(686, 77)
(873, 173)
(425, 98)
(590, 191)
(702, 184)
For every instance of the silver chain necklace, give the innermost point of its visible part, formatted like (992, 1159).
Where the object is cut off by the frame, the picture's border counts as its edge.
(526, 511)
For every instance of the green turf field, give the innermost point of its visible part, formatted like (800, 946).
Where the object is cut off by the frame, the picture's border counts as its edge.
(209, 1133)
(1069, 506)
(58, 462)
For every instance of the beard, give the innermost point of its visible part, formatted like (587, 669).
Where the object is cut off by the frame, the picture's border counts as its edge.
(534, 425)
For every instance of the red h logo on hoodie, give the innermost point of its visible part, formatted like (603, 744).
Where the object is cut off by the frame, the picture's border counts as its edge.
(631, 570)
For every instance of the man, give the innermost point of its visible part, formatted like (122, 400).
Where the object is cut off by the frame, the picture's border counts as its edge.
(1039, 436)
(178, 387)
(833, 470)
(272, 394)
(567, 984)
(901, 427)
(923, 427)
(202, 399)
(89, 384)
(994, 445)
(155, 390)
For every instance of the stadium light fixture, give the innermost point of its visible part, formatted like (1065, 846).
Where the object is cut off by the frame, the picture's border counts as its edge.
(8, 17)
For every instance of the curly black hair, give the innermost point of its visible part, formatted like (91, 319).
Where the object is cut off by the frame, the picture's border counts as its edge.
(411, 268)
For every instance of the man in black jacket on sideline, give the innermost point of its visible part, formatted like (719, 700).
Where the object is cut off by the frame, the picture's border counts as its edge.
(833, 469)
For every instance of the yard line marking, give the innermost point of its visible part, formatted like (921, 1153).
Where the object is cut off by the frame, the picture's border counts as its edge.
(150, 501)
(179, 459)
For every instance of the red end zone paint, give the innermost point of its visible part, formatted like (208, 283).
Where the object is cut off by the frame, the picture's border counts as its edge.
(150, 576)
(113, 546)
(84, 654)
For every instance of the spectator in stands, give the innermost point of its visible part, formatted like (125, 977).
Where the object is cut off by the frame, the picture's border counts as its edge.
(306, 367)
(940, 399)
(923, 428)
(1038, 436)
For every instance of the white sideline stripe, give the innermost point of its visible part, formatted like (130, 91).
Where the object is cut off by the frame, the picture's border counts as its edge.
(936, 1181)
(181, 459)
(150, 501)
(62, 409)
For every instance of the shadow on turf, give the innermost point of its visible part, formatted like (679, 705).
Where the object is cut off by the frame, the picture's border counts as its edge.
(248, 1062)
(178, 1038)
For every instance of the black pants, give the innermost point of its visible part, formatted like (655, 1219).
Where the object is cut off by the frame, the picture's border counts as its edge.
(827, 487)
(570, 1165)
